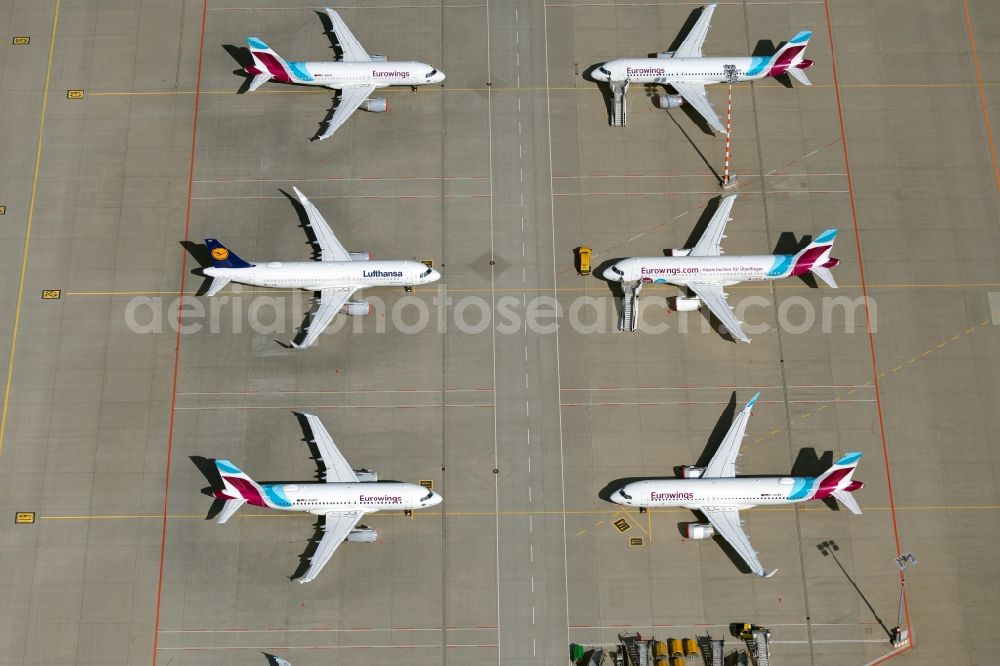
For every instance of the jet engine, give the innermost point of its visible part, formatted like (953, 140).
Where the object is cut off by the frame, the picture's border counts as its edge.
(356, 308)
(678, 252)
(664, 54)
(377, 57)
(683, 304)
(700, 531)
(364, 534)
(375, 104)
(365, 475)
(360, 256)
(692, 472)
(670, 101)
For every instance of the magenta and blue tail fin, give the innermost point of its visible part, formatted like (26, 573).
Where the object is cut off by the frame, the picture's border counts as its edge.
(267, 64)
(790, 59)
(815, 258)
(223, 257)
(836, 482)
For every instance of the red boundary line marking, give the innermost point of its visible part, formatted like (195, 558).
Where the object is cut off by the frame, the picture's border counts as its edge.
(864, 292)
(177, 339)
(982, 92)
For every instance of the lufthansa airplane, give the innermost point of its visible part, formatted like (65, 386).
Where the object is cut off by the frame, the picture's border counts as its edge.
(688, 72)
(344, 498)
(356, 75)
(720, 495)
(704, 272)
(336, 276)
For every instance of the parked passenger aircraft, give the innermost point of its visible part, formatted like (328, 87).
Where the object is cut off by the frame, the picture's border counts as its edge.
(356, 75)
(688, 72)
(703, 270)
(720, 495)
(336, 276)
(344, 498)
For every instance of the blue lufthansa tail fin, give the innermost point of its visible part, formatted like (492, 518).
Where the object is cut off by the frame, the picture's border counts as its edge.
(223, 257)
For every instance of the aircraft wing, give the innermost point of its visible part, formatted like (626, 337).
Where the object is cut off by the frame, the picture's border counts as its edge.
(691, 46)
(330, 248)
(727, 525)
(710, 243)
(335, 529)
(349, 44)
(351, 98)
(713, 297)
(694, 94)
(275, 660)
(723, 463)
(330, 302)
(337, 470)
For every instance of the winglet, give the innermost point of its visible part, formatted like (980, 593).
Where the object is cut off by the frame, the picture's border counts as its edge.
(768, 575)
(753, 401)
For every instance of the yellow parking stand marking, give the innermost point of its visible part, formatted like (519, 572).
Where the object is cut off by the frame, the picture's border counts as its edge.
(51, 294)
(622, 525)
(74, 94)
(21, 41)
(24, 518)
(428, 484)
(429, 263)
(635, 541)
(3, 210)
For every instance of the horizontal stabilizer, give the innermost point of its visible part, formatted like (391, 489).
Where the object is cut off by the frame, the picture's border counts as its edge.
(799, 75)
(218, 283)
(258, 81)
(228, 509)
(825, 275)
(847, 499)
(768, 575)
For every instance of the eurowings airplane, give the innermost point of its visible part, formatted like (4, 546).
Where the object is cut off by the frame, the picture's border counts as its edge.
(336, 276)
(688, 72)
(720, 495)
(344, 498)
(703, 270)
(356, 75)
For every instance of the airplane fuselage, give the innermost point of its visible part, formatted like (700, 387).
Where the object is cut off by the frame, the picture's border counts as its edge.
(323, 498)
(724, 270)
(337, 74)
(319, 275)
(687, 70)
(736, 493)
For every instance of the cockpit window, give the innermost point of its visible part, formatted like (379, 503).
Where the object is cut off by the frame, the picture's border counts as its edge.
(427, 497)
(426, 273)
(619, 271)
(433, 72)
(625, 495)
(604, 71)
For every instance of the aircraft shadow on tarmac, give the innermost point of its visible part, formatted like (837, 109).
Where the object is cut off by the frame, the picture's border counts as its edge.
(241, 55)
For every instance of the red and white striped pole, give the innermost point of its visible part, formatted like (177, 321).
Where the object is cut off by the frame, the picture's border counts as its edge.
(726, 182)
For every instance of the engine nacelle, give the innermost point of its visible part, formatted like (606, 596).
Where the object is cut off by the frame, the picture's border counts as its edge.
(683, 304)
(364, 534)
(360, 256)
(375, 104)
(692, 472)
(678, 252)
(377, 57)
(365, 475)
(356, 308)
(669, 101)
(664, 54)
(700, 531)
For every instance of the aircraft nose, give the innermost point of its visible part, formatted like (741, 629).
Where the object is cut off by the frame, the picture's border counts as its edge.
(434, 276)
(610, 275)
(437, 499)
(439, 78)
